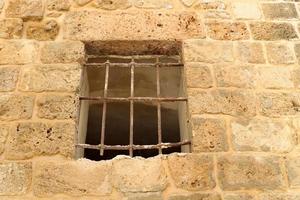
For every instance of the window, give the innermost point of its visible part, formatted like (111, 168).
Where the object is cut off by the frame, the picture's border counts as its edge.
(132, 100)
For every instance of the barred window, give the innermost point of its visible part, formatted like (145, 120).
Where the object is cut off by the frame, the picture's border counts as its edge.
(132, 100)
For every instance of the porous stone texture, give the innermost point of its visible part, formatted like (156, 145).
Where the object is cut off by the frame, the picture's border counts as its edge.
(195, 196)
(26, 9)
(249, 172)
(4, 130)
(112, 4)
(209, 135)
(250, 52)
(144, 196)
(279, 10)
(238, 196)
(293, 169)
(15, 177)
(11, 28)
(8, 78)
(81, 177)
(279, 54)
(28, 139)
(58, 5)
(43, 31)
(227, 31)
(278, 196)
(198, 75)
(297, 51)
(192, 172)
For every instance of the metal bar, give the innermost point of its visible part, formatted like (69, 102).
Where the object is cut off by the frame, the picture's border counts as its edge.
(135, 99)
(158, 106)
(135, 147)
(104, 108)
(136, 64)
(131, 107)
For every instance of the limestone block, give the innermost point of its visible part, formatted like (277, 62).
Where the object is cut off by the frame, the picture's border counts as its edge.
(26, 9)
(57, 107)
(275, 77)
(195, 196)
(192, 171)
(81, 177)
(58, 5)
(210, 5)
(28, 139)
(112, 4)
(246, 10)
(238, 196)
(297, 51)
(273, 31)
(40, 78)
(139, 174)
(249, 172)
(217, 14)
(4, 130)
(42, 31)
(228, 102)
(138, 25)
(82, 2)
(278, 196)
(18, 52)
(250, 52)
(15, 106)
(144, 196)
(209, 135)
(1, 5)
(15, 177)
(188, 2)
(279, 11)
(207, 51)
(198, 75)
(153, 4)
(279, 53)
(293, 170)
(227, 30)
(263, 135)
(11, 28)
(235, 76)
(8, 78)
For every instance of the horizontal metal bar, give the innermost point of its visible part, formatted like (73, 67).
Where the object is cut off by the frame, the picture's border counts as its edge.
(136, 99)
(136, 64)
(135, 147)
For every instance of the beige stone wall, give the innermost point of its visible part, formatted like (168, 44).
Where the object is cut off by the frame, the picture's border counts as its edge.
(243, 77)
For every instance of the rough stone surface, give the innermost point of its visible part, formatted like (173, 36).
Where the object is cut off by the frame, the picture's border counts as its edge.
(150, 4)
(275, 77)
(195, 196)
(82, 2)
(1, 5)
(40, 78)
(15, 106)
(278, 53)
(210, 5)
(57, 107)
(246, 10)
(273, 31)
(94, 25)
(227, 102)
(144, 196)
(278, 196)
(58, 5)
(227, 31)
(8, 78)
(4, 130)
(198, 75)
(249, 172)
(26, 9)
(293, 170)
(28, 139)
(192, 172)
(138, 180)
(206, 51)
(279, 11)
(250, 52)
(112, 4)
(17, 52)
(239, 196)
(63, 52)
(188, 2)
(81, 177)
(297, 51)
(209, 135)
(11, 28)
(42, 31)
(262, 135)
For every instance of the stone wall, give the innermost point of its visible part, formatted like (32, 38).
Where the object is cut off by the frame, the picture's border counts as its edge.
(242, 69)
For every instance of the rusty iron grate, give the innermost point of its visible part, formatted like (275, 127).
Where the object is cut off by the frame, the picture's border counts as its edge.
(133, 62)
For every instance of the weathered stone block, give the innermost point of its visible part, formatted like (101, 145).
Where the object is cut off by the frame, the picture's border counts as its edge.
(297, 51)
(198, 75)
(144, 196)
(112, 4)
(279, 53)
(246, 10)
(188, 2)
(28, 139)
(153, 4)
(192, 171)
(1, 5)
(210, 5)
(279, 11)
(63, 52)
(42, 31)
(227, 30)
(132, 175)
(15, 106)
(39, 78)
(235, 76)
(217, 14)
(238, 196)
(57, 107)
(11, 28)
(293, 170)
(26, 9)
(249, 172)
(226, 102)
(250, 52)
(8, 78)
(263, 135)
(58, 5)
(15, 178)
(207, 51)
(273, 31)
(209, 135)
(96, 25)
(278, 196)
(4, 130)
(81, 177)
(195, 196)
(275, 77)
(82, 2)
(18, 52)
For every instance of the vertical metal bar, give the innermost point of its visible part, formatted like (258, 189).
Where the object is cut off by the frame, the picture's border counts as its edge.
(158, 105)
(131, 107)
(104, 108)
